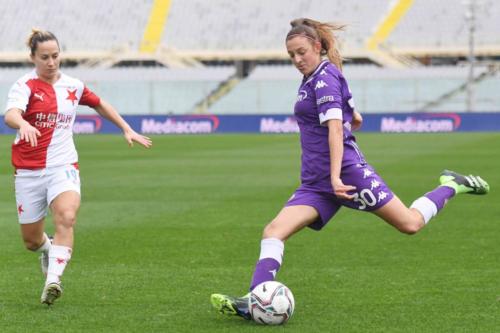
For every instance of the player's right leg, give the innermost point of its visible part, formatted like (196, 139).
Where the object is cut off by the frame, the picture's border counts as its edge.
(44, 256)
(35, 239)
(464, 184)
(290, 220)
(406, 220)
(410, 220)
(31, 209)
(33, 236)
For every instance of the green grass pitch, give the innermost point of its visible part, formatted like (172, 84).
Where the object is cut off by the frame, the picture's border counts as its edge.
(160, 230)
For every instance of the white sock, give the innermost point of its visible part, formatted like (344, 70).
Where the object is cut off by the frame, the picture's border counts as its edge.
(426, 207)
(272, 248)
(45, 247)
(59, 257)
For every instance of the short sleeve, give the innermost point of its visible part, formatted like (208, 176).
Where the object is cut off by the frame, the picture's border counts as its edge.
(18, 97)
(89, 98)
(327, 88)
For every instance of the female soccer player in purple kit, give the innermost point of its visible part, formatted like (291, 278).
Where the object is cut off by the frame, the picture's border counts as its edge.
(334, 172)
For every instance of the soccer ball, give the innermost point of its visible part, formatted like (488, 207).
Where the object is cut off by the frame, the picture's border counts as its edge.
(271, 303)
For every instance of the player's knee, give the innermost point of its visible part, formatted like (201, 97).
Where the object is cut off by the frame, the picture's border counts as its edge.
(271, 231)
(31, 244)
(268, 230)
(66, 218)
(410, 228)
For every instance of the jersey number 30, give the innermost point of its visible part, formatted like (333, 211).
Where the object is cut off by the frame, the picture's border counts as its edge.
(365, 198)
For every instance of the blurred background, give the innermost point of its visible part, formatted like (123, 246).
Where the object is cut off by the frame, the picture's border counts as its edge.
(179, 57)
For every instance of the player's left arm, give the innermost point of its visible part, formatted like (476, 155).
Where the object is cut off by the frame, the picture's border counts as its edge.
(328, 102)
(107, 111)
(336, 145)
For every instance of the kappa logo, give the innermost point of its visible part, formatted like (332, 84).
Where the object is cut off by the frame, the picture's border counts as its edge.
(320, 84)
(39, 96)
(323, 72)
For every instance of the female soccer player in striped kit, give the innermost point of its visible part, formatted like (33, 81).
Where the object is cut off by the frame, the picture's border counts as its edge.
(42, 107)
(334, 171)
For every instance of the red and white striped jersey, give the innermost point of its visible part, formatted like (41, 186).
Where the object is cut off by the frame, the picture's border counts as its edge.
(52, 110)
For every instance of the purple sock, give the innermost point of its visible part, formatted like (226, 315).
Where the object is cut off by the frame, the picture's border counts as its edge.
(265, 270)
(440, 196)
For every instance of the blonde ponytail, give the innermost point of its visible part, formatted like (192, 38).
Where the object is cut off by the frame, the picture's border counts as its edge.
(321, 32)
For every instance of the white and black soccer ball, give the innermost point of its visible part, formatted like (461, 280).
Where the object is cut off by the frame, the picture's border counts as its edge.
(271, 303)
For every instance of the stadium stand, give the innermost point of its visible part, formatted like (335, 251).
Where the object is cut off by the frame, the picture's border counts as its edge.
(80, 26)
(142, 90)
(222, 28)
(441, 26)
(185, 38)
(261, 24)
(272, 89)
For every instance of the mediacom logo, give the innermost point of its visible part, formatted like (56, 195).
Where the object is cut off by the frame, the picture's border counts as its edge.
(271, 125)
(421, 124)
(184, 125)
(87, 125)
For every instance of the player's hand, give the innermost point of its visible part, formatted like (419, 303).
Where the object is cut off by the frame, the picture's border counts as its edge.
(132, 136)
(341, 190)
(357, 121)
(29, 134)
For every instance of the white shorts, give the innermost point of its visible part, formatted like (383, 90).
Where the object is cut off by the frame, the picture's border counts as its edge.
(35, 189)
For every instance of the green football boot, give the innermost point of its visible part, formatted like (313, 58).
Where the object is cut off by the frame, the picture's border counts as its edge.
(464, 184)
(232, 306)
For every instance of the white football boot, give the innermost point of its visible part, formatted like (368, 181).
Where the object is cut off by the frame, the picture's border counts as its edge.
(51, 292)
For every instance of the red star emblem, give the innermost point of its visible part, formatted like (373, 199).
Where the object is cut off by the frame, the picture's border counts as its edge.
(20, 209)
(72, 96)
(60, 260)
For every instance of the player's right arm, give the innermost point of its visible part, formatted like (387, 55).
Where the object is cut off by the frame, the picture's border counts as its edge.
(357, 120)
(14, 119)
(17, 104)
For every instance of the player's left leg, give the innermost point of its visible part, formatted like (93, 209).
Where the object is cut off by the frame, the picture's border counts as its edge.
(64, 210)
(229, 305)
(289, 220)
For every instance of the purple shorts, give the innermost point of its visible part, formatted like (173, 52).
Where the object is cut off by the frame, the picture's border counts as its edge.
(371, 193)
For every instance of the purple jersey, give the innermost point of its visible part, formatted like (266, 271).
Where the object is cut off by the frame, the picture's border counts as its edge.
(323, 96)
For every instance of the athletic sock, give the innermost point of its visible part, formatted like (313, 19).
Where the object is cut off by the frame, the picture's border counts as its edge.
(45, 247)
(432, 202)
(59, 257)
(271, 256)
